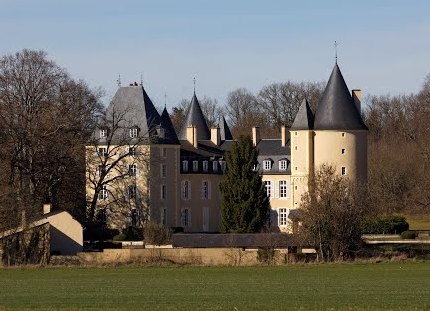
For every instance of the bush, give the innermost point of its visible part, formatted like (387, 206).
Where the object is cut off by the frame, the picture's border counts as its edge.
(408, 235)
(156, 234)
(392, 224)
(119, 237)
(266, 255)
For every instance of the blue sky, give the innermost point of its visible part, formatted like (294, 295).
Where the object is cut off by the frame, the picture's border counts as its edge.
(384, 45)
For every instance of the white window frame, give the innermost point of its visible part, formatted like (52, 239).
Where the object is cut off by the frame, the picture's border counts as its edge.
(163, 152)
(215, 166)
(185, 217)
(283, 217)
(268, 186)
(103, 133)
(195, 166)
(133, 132)
(284, 189)
(223, 165)
(185, 166)
(205, 166)
(132, 169)
(132, 151)
(283, 164)
(103, 151)
(186, 190)
(100, 169)
(267, 165)
(103, 193)
(206, 189)
(132, 192)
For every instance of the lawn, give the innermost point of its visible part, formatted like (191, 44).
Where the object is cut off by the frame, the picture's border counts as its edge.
(394, 286)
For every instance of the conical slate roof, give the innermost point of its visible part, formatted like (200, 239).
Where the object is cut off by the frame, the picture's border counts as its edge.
(304, 119)
(336, 109)
(131, 106)
(224, 130)
(195, 118)
(170, 136)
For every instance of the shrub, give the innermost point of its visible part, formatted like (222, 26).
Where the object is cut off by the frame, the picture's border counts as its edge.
(156, 234)
(119, 237)
(266, 255)
(408, 235)
(391, 224)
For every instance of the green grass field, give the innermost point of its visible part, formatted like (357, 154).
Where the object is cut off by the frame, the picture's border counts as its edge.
(384, 286)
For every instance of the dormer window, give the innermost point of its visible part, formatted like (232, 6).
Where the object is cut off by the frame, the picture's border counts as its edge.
(103, 152)
(205, 166)
(160, 132)
(283, 165)
(267, 165)
(133, 132)
(195, 166)
(103, 133)
(223, 166)
(215, 166)
(185, 166)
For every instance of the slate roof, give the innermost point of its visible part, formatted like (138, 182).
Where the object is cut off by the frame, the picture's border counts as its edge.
(271, 149)
(133, 107)
(225, 132)
(170, 136)
(304, 119)
(195, 117)
(336, 109)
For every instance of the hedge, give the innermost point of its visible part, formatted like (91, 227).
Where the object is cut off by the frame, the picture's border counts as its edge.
(392, 224)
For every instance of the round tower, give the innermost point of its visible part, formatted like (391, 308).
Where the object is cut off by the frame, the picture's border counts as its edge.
(340, 135)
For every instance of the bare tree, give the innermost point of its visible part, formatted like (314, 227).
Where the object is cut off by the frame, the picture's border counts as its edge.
(211, 110)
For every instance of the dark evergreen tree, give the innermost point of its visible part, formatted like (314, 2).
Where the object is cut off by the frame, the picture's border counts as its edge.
(244, 205)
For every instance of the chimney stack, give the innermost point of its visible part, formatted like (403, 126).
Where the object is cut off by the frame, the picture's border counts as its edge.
(283, 135)
(356, 96)
(216, 136)
(255, 135)
(192, 135)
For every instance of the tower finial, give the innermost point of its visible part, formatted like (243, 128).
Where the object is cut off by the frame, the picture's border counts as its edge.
(335, 51)
(194, 81)
(165, 100)
(118, 81)
(141, 78)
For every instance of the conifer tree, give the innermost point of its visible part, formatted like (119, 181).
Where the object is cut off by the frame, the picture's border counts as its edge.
(244, 205)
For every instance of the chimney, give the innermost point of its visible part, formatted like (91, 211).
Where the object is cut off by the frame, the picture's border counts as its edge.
(192, 135)
(255, 135)
(216, 136)
(356, 96)
(283, 135)
(46, 208)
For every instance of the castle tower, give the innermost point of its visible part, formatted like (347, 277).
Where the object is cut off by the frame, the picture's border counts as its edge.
(302, 153)
(340, 135)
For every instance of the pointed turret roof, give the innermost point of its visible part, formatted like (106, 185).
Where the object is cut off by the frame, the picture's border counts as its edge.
(131, 106)
(195, 118)
(224, 130)
(170, 136)
(304, 119)
(336, 109)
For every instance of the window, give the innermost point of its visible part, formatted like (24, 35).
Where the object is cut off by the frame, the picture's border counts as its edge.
(132, 151)
(132, 170)
(133, 132)
(163, 192)
(284, 189)
(343, 134)
(195, 166)
(103, 152)
(343, 170)
(185, 166)
(295, 187)
(185, 217)
(295, 133)
(215, 166)
(267, 165)
(132, 192)
(283, 165)
(163, 170)
(134, 216)
(205, 190)
(186, 190)
(101, 170)
(283, 217)
(295, 147)
(223, 165)
(103, 193)
(343, 151)
(268, 187)
(295, 168)
(164, 216)
(163, 152)
(103, 133)
(205, 166)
